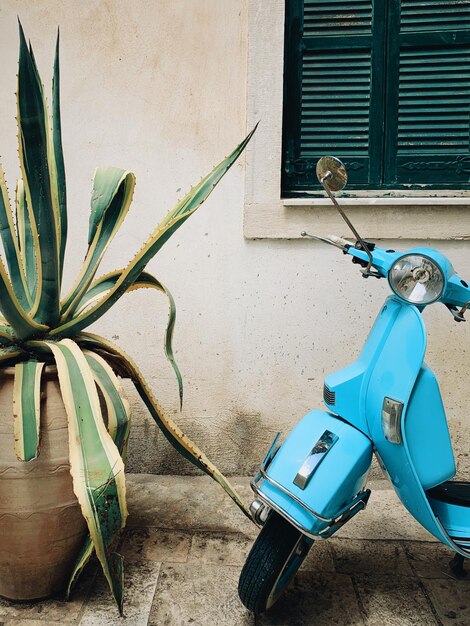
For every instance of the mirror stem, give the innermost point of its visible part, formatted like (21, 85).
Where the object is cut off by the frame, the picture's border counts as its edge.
(346, 219)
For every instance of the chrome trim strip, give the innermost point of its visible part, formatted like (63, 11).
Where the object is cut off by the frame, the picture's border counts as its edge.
(358, 504)
(391, 420)
(328, 520)
(314, 458)
(362, 496)
(285, 515)
(461, 550)
(353, 508)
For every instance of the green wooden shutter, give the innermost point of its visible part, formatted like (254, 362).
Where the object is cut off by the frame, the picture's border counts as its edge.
(428, 94)
(333, 100)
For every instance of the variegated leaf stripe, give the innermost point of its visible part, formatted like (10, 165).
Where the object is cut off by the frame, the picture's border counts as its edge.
(36, 155)
(11, 246)
(26, 242)
(59, 157)
(118, 426)
(112, 195)
(10, 356)
(84, 556)
(173, 220)
(145, 281)
(172, 432)
(27, 409)
(117, 405)
(105, 283)
(6, 336)
(22, 323)
(51, 163)
(95, 463)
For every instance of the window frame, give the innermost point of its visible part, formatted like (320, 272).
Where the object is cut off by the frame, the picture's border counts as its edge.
(383, 214)
(380, 162)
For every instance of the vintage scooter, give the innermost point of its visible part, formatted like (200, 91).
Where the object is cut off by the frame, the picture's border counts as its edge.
(387, 402)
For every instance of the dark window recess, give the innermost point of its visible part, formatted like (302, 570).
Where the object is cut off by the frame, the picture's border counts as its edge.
(384, 85)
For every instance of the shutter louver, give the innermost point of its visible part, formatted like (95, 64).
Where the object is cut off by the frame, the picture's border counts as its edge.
(335, 104)
(434, 15)
(337, 18)
(432, 144)
(335, 84)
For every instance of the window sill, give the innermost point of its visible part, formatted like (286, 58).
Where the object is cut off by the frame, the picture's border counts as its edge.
(375, 218)
(388, 201)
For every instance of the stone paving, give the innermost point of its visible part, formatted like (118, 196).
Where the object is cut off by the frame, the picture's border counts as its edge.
(186, 543)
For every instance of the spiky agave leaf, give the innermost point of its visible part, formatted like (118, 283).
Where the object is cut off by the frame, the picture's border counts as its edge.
(11, 247)
(117, 406)
(172, 221)
(26, 409)
(118, 425)
(95, 463)
(39, 171)
(145, 281)
(7, 338)
(22, 323)
(113, 189)
(15, 298)
(181, 442)
(12, 355)
(58, 160)
(25, 241)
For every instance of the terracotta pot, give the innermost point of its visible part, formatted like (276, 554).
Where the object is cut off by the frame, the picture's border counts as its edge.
(41, 526)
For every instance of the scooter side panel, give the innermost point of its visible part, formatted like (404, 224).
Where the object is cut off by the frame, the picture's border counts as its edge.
(427, 432)
(335, 481)
(394, 375)
(426, 425)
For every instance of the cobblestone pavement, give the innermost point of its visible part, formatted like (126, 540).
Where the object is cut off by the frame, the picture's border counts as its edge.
(186, 543)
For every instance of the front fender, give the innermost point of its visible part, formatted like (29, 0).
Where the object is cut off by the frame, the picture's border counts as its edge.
(335, 481)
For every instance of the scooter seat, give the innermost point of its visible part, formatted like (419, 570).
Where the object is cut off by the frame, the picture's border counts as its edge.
(452, 492)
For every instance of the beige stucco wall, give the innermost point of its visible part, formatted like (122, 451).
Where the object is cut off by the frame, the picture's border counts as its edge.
(160, 88)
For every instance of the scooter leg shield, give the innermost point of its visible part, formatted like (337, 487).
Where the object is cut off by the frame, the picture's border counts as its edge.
(318, 475)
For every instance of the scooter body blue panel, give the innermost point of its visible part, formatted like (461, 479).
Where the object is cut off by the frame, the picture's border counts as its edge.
(427, 433)
(394, 373)
(391, 364)
(335, 481)
(348, 386)
(455, 518)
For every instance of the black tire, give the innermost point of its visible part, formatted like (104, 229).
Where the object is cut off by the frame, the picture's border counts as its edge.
(273, 561)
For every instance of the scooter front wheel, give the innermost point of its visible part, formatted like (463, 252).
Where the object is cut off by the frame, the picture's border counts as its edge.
(274, 559)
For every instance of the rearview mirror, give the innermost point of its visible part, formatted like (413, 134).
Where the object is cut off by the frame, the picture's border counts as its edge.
(331, 173)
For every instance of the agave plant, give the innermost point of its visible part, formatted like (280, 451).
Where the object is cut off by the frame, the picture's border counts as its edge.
(40, 326)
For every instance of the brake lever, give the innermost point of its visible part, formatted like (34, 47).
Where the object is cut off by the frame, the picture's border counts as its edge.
(371, 273)
(342, 244)
(458, 315)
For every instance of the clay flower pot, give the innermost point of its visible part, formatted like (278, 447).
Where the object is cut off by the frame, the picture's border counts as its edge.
(41, 525)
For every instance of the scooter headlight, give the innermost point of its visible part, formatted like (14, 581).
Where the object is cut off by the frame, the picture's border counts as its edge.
(416, 279)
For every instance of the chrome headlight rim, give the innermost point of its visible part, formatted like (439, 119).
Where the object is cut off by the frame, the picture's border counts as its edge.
(434, 263)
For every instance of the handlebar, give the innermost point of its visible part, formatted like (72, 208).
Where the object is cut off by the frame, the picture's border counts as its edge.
(380, 260)
(333, 240)
(456, 295)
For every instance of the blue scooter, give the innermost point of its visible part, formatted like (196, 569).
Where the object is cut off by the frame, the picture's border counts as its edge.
(387, 402)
